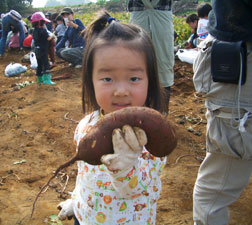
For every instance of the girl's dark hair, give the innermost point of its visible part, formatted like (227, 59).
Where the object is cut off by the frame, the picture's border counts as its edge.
(203, 10)
(191, 18)
(59, 18)
(99, 34)
(38, 23)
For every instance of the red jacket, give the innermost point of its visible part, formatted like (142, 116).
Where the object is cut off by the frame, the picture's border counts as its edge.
(28, 41)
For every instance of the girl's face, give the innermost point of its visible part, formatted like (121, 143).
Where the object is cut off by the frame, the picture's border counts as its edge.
(194, 24)
(119, 77)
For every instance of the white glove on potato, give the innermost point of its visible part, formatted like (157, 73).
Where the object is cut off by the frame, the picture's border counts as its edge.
(128, 144)
(66, 209)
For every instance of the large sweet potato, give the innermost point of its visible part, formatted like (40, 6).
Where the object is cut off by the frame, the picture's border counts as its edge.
(98, 141)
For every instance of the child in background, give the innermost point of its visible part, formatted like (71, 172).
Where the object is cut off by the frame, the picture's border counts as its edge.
(60, 29)
(14, 39)
(120, 70)
(203, 11)
(41, 42)
(192, 21)
(27, 43)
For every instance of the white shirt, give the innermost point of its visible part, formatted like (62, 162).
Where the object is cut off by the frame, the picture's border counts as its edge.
(128, 197)
(202, 29)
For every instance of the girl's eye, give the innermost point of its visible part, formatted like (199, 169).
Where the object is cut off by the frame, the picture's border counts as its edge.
(107, 79)
(134, 79)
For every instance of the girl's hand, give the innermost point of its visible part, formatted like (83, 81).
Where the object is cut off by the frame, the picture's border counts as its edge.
(128, 144)
(66, 209)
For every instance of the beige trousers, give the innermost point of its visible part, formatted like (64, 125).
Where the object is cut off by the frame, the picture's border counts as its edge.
(159, 25)
(225, 171)
(227, 167)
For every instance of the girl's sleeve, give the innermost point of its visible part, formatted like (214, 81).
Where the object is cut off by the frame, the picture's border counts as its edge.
(140, 178)
(84, 127)
(57, 29)
(62, 41)
(79, 131)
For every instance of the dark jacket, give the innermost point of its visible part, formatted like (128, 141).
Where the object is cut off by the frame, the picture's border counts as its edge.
(230, 20)
(40, 36)
(73, 36)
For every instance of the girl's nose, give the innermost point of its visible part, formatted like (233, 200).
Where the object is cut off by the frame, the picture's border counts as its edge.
(121, 90)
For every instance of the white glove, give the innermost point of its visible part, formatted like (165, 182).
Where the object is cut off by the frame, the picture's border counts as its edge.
(66, 209)
(128, 144)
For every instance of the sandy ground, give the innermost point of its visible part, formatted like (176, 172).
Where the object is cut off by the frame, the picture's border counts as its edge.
(36, 132)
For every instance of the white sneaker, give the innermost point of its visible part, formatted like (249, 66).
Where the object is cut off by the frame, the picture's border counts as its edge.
(78, 66)
(70, 65)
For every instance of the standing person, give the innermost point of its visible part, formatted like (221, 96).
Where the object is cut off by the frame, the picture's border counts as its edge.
(155, 17)
(41, 41)
(226, 169)
(60, 28)
(192, 21)
(11, 19)
(203, 10)
(74, 53)
(119, 70)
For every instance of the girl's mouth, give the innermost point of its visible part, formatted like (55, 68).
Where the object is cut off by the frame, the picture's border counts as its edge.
(121, 105)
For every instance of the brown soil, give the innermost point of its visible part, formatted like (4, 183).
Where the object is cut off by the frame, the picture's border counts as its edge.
(36, 132)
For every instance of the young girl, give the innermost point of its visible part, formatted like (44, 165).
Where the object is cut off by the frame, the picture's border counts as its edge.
(203, 10)
(192, 21)
(14, 39)
(41, 38)
(120, 70)
(60, 29)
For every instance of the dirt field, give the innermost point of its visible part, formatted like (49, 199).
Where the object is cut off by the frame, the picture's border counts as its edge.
(36, 132)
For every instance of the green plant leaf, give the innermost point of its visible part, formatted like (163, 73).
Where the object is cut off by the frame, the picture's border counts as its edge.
(54, 220)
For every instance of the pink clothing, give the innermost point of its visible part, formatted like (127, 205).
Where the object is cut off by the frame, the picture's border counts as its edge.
(14, 41)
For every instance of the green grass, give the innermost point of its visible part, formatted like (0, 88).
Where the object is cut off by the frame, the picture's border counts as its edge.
(87, 14)
(182, 29)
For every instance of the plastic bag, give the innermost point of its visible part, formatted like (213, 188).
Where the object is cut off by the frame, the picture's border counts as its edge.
(14, 69)
(187, 55)
(33, 59)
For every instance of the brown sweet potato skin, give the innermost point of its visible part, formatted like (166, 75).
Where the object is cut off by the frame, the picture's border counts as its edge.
(161, 136)
(98, 142)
